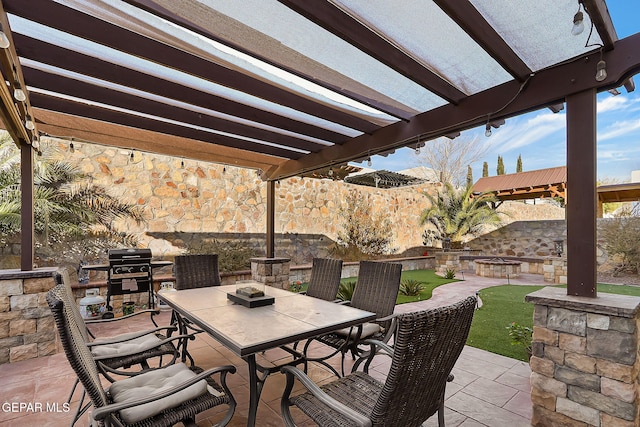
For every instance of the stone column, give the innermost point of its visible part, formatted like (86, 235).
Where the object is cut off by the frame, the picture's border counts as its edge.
(585, 360)
(271, 271)
(448, 261)
(27, 329)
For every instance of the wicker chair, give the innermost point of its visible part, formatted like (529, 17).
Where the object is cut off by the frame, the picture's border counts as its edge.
(426, 347)
(160, 397)
(325, 278)
(376, 291)
(196, 271)
(115, 354)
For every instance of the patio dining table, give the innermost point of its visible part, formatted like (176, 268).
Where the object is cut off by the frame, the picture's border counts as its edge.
(247, 331)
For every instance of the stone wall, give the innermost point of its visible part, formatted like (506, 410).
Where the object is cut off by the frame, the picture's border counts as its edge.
(585, 360)
(185, 200)
(27, 328)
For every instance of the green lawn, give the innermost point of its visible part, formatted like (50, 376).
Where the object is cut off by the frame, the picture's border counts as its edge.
(429, 277)
(505, 304)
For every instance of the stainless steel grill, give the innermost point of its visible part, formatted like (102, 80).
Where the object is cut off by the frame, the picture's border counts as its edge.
(129, 272)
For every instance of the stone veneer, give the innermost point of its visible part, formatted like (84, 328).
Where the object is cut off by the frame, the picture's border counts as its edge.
(498, 268)
(27, 328)
(184, 197)
(585, 360)
(271, 271)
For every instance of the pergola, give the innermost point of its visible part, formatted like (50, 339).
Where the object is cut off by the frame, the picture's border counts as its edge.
(293, 86)
(536, 184)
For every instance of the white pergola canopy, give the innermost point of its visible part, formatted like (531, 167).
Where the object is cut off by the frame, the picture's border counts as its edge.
(292, 86)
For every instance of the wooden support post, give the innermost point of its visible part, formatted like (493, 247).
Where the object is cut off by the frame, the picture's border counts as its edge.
(581, 186)
(26, 209)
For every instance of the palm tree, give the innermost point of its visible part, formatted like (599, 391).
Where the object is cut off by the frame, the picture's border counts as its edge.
(456, 214)
(68, 207)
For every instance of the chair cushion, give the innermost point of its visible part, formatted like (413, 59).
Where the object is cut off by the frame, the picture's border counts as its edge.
(368, 329)
(135, 345)
(156, 381)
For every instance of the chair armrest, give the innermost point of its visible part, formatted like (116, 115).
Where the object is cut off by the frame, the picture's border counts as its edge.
(382, 346)
(295, 373)
(104, 411)
(139, 334)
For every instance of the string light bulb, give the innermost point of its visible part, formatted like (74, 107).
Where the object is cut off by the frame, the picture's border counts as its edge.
(601, 70)
(131, 156)
(369, 163)
(182, 163)
(72, 148)
(417, 151)
(28, 123)
(18, 93)
(4, 40)
(578, 23)
(487, 130)
(330, 172)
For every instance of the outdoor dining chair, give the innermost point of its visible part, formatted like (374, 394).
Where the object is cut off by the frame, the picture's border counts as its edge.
(376, 291)
(160, 397)
(191, 272)
(115, 355)
(325, 278)
(426, 347)
(196, 271)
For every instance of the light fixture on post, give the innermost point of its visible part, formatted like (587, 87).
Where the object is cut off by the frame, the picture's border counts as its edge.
(601, 70)
(18, 93)
(28, 123)
(558, 247)
(4, 40)
(578, 23)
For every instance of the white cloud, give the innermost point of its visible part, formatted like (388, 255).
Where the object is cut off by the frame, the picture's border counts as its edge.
(517, 133)
(619, 129)
(612, 103)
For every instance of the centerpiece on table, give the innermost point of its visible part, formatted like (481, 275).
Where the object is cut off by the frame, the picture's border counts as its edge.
(250, 294)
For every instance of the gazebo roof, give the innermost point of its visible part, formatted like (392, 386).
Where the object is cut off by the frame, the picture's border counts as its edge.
(383, 179)
(294, 86)
(551, 182)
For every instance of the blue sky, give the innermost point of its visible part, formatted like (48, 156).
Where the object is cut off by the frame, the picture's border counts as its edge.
(540, 136)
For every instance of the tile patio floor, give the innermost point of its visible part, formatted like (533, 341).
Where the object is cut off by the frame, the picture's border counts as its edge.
(488, 390)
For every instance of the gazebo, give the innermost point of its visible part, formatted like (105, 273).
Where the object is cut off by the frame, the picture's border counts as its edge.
(289, 87)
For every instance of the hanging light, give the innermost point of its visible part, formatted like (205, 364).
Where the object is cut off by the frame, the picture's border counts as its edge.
(182, 163)
(417, 149)
(131, 155)
(28, 123)
(35, 142)
(18, 93)
(578, 23)
(330, 172)
(369, 163)
(72, 148)
(4, 40)
(487, 130)
(601, 70)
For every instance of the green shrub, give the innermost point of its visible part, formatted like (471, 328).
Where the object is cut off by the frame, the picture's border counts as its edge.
(449, 273)
(411, 287)
(232, 255)
(345, 291)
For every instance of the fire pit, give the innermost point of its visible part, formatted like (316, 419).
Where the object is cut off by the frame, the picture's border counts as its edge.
(497, 267)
